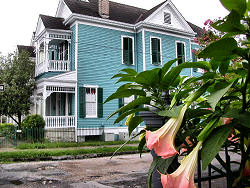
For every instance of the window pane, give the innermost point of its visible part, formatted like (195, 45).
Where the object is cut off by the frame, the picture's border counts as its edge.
(127, 51)
(156, 53)
(181, 52)
(91, 102)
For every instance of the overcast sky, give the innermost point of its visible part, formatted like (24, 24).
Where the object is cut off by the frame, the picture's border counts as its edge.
(18, 18)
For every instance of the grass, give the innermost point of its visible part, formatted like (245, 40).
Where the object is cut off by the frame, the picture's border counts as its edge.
(47, 145)
(47, 154)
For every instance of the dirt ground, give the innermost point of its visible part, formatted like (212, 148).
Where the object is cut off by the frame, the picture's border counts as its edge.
(121, 171)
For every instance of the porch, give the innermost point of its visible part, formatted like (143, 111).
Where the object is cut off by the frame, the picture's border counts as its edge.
(53, 53)
(56, 101)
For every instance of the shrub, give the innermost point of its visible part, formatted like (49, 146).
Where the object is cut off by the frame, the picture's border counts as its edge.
(33, 121)
(6, 128)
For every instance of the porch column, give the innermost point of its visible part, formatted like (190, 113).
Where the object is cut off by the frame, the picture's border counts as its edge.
(44, 101)
(67, 104)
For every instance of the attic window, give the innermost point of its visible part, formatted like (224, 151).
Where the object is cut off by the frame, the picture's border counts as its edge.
(167, 18)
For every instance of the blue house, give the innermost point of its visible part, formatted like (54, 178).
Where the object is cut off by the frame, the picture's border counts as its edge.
(85, 44)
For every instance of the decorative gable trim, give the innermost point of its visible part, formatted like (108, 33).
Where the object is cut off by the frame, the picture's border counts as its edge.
(40, 27)
(63, 10)
(178, 16)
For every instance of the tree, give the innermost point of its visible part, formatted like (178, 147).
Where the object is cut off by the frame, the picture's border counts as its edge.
(17, 74)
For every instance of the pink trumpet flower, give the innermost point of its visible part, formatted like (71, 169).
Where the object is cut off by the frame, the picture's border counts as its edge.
(162, 140)
(183, 177)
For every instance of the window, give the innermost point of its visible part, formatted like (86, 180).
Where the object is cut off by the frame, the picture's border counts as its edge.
(181, 52)
(128, 50)
(156, 51)
(90, 102)
(124, 101)
(167, 18)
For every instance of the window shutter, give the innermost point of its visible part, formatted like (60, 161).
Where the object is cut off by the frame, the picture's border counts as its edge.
(194, 60)
(100, 102)
(120, 104)
(82, 102)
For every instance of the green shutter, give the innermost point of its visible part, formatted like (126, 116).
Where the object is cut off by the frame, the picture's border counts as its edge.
(82, 102)
(156, 51)
(100, 102)
(194, 60)
(120, 104)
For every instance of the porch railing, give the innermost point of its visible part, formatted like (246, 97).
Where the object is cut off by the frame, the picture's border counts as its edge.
(58, 65)
(59, 121)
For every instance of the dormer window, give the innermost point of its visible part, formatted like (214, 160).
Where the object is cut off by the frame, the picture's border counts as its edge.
(167, 18)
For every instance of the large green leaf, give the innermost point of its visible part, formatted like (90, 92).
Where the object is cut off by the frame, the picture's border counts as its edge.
(137, 102)
(224, 66)
(123, 115)
(126, 79)
(221, 49)
(215, 97)
(133, 123)
(195, 113)
(194, 96)
(207, 130)
(244, 119)
(131, 72)
(232, 23)
(237, 5)
(213, 144)
(125, 93)
(149, 78)
(119, 75)
(167, 66)
(174, 112)
(173, 74)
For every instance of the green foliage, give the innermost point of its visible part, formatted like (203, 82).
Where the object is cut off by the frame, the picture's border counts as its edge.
(47, 145)
(213, 144)
(33, 121)
(17, 74)
(48, 154)
(6, 129)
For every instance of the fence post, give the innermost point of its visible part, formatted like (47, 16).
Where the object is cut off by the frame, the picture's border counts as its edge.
(15, 136)
(199, 170)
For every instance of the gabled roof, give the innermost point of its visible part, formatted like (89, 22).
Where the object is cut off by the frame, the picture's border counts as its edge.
(53, 22)
(29, 49)
(199, 32)
(118, 12)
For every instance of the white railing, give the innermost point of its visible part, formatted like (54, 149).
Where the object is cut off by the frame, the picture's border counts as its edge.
(59, 121)
(58, 65)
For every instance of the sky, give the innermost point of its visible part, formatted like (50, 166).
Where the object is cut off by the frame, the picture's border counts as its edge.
(18, 18)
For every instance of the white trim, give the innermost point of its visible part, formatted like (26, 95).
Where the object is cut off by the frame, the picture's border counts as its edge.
(133, 47)
(76, 110)
(151, 53)
(90, 86)
(76, 45)
(100, 21)
(176, 11)
(177, 41)
(143, 50)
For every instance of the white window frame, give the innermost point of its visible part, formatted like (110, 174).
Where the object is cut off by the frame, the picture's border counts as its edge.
(96, 88)
(151, 50)
(133, 47)
(176, 51)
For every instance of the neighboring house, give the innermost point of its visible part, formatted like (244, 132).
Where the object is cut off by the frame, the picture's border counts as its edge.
(86, 43)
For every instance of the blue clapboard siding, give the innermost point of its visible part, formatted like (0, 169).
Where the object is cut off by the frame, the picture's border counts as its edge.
(99, 58)
(168, 49)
